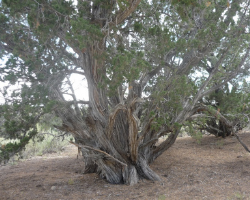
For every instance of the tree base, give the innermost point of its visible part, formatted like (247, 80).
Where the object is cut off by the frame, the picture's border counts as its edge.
(117, 174)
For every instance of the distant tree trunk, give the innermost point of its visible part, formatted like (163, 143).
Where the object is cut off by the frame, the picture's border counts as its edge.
(219, 129)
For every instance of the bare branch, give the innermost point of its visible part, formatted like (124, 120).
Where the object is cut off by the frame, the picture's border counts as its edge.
(78, 102)
(231, 75)
(97, 150)
(238, 138)
(200, 93)
(150, 74)
(213, 112)
(75, 72)
(74, 97)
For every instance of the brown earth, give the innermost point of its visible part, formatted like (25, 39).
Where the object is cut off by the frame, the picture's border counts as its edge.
(215, 169)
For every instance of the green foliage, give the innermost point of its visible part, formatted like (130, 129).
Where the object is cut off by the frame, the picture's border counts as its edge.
(170, 95)
(238, 96)
(138, 26)
(124, 68)
(49, 144)
(193, 132)
(78, 26)
(10, 149)
(19, 121)
(71, 182)
(162, 197)
(47, 122)
(34, 147)
(184, 2)
(154, 30)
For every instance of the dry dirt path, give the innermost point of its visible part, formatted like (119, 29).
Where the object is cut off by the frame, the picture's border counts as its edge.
(215, 169)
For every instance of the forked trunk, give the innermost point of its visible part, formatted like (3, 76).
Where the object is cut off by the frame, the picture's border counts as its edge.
(117, 164)
(115, 156)
(113, 142)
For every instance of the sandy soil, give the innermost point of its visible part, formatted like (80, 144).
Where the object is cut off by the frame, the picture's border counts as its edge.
(215, 169)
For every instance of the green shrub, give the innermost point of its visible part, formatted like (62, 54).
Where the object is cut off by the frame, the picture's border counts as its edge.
(40, 145)
(49, 144)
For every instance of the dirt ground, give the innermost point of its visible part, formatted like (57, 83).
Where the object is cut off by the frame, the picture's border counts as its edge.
(215, 169)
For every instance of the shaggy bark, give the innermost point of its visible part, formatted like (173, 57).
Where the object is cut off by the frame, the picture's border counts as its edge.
(110, 141)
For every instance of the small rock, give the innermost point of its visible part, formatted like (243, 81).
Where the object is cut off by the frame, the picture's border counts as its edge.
(39, 185)
(53, 187)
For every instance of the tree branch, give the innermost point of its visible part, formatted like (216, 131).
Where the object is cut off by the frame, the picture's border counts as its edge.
(123, 14)
(238, 138)
(97, 150)
(78, 102)
(74, 97)
(213, 112)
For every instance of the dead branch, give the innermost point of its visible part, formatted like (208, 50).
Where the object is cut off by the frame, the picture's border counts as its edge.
(91, 148)
(238, 138)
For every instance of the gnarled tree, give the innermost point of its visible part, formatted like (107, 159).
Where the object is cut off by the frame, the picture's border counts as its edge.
(141, 61)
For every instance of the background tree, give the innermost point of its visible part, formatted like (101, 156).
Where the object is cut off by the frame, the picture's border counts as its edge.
(140, 60)
(218, 116)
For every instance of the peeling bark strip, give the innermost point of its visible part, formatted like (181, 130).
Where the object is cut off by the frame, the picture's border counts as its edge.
(133, 131)
(113, 116)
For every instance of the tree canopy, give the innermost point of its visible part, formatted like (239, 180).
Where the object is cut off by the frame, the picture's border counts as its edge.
(151, 67)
